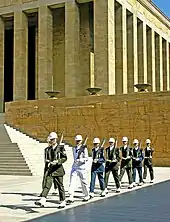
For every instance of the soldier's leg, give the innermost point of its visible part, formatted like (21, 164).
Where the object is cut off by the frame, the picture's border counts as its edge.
(92, 182)
(145, 171)
(101, 180)
(140, 175)
(83, 179)
(72, 185)
(47, 186)
(122, 171)
(59, 183)
(106, 177)
(134, 174)
(129, 173)
(116, 178)
(151, 172)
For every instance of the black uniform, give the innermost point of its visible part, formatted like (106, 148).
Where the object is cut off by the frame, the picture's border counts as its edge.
(126, 163)
(137, 163)
(112, 165)
(54, 170)
(148, 152)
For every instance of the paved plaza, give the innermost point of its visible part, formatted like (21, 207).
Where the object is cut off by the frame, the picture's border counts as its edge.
(19, 193)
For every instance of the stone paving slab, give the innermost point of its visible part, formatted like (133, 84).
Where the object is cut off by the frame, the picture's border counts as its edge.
(19, 193)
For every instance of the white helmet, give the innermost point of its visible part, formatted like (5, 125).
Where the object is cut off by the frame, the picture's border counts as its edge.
(96, 140)
(148, 141)
(111, 140)
(135, 141)
(52, 135)
(124, 139)
(78, 138)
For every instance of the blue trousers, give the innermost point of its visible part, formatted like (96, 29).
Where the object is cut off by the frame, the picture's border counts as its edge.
(139, 169)
(93, 180)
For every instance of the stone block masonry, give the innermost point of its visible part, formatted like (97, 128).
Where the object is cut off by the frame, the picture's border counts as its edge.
(136, 115)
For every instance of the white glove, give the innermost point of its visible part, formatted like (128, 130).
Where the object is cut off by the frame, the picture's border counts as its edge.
(137, 159)
(95, 161)
(114, 161)
(128, 157)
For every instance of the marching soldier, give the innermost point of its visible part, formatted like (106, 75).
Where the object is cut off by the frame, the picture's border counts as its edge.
(148, 152)
(79, 169)
(97, 167)
(112, 164)
(46, 160)
(126, 162)
(137, 162)
(55, 156)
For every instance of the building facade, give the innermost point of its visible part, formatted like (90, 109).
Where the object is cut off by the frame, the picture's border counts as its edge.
(69, 45)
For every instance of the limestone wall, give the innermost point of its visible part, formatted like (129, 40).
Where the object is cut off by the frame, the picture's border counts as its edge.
(137, 115)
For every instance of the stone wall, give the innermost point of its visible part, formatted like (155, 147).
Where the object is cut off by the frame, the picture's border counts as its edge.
(136, 115)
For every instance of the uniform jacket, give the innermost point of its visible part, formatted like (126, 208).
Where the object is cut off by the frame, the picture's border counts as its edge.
(99, 157)
(137, 157)
(57, 154)
(80, 156)
(126, 152)
(148, 153)
(112, 158)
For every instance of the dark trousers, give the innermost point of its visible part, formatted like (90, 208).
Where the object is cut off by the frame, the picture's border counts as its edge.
(93, 180)
(128, 171)
(48, 183)
(115, 176)
(44, 183)
(139, 169)
(146, 166)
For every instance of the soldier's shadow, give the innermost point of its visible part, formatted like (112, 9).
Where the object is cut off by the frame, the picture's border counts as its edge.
(27, 209)
(21, 194)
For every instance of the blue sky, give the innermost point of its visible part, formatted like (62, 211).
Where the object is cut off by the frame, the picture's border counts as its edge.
(164, 5)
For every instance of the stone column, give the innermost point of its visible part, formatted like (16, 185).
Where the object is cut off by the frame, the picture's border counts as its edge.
(72, 42)
(135, 50)
(165, 60)
(104, 45)
(158, 63)
(161, 64)
(1, 65)
(45, 51)
(121, 50)
(130, 53)
(168, 64)
(20, 55)
(142, 53)
(153, 62)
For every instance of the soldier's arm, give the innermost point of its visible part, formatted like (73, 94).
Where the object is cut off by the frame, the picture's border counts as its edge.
(63, 156)
(101, 159)
(118, 156)
(86, 155)
(141, 157)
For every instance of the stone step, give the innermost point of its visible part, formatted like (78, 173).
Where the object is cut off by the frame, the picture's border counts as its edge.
(19, 173)
(14, 167)
(2, 118)
(10, 154)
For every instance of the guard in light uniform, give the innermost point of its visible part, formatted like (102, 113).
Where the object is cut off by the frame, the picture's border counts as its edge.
(97, 167)
(148, 153)
(55, 157)
(112, 164)
(79, 169)
(126, 162)
(137, 162)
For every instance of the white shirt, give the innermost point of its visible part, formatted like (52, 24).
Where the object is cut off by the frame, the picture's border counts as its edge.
(82, 164)
(111, 148)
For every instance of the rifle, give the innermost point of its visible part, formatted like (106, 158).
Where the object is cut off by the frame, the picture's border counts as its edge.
(101, 145)
(82, 147)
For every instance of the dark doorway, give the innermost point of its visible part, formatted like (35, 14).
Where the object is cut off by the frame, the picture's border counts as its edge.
(31, 62)
(8, 64)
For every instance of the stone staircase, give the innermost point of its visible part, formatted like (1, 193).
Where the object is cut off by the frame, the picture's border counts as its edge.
(12, 161)
(33, 151)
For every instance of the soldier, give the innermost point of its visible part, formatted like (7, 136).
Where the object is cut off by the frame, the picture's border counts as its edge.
(54, 158)
(46, 160)
(126, 163)
(148, 152)
(79, 169)
(137, 162)
(97, 167)
(112, 164)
